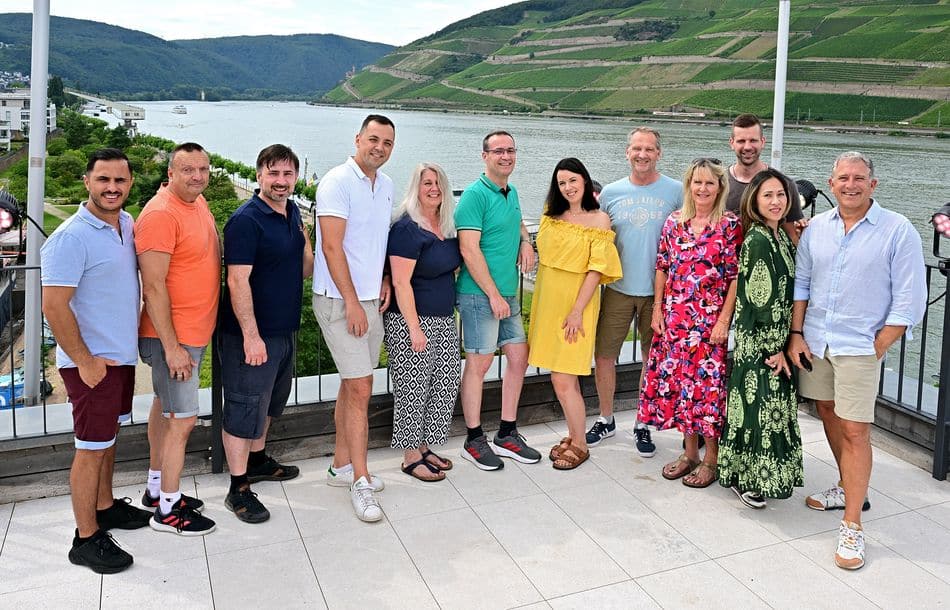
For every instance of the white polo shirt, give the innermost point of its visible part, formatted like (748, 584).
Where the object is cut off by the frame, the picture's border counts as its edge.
(346, 192)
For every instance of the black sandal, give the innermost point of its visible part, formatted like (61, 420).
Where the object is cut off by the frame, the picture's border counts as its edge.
(411, 471)
(428, 452)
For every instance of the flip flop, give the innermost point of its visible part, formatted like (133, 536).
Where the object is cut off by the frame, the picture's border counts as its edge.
(694, 473)
(410, 469)
(430, 453)
(678, 468)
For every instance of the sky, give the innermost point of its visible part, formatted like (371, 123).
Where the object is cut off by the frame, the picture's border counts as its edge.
(395, 22)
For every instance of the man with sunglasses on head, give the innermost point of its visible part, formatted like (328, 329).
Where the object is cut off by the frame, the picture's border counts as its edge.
(638, 205)
(494, 244)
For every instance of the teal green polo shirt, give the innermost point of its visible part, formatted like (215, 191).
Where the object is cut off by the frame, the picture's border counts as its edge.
(485, 208)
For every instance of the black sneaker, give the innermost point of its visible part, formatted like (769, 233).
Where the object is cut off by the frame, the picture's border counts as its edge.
(182, 521)
(600, 430)
(270, 470)
(246, 507)
(516, 448)
(479, 453)
(645, 446)
(186, 501)
(122, 515)
(100, 554)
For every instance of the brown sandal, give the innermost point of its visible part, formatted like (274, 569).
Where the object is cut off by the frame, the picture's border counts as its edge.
(434, 475)
(678, 468)
(711, 468)
(561, 446)
(570, 458)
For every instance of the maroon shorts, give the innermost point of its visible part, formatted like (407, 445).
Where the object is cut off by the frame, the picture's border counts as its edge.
(98, 410)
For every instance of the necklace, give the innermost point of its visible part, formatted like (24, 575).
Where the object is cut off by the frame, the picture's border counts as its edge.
(573, 213)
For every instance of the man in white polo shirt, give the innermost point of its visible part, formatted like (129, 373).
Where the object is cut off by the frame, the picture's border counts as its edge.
(350, 292)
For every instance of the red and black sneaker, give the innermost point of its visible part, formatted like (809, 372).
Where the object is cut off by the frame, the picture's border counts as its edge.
(515, 447)
(186, 501)
(479, 453)
(182, 521)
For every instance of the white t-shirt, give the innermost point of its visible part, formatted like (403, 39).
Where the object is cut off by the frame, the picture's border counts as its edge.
(346, 192)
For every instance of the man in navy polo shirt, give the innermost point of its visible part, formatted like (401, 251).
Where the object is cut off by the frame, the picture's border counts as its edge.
(268, 254)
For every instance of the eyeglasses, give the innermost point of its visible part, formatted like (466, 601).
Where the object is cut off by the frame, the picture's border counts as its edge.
(709, 160)
(501, 151)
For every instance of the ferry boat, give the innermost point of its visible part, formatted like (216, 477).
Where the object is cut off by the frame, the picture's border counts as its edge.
(179, 109)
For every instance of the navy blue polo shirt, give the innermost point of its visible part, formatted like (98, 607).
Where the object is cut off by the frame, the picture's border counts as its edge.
(273, 245)
(433, 277)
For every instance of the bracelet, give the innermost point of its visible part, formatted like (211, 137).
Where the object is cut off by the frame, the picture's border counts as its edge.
(525, 241)
(796, 332)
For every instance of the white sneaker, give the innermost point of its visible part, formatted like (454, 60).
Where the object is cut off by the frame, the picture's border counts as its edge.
(850, 552)
(364, 502)
(831, 499)
(345, 479)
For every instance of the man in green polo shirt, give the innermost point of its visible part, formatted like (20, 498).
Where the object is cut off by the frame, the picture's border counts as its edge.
(495, 245)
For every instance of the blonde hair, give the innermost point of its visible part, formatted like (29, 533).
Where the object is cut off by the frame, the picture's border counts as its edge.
(410, 203)
(689, 206)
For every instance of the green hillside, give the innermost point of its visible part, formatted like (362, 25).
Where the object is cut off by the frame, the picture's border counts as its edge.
(103, 58)
(885, 61)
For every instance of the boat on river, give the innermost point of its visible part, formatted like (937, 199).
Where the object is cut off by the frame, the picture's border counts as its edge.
(179, 109)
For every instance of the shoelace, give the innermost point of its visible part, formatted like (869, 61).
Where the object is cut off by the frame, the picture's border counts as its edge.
(642, 434)
(106, 543)
(364, 494)
(850, 538)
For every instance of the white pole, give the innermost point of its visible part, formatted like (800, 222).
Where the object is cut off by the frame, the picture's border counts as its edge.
(781, 72)
(33, 327)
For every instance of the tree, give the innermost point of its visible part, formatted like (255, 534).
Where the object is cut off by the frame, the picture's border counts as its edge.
(119, 138)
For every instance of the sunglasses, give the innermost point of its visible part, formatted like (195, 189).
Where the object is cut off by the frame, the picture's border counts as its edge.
(706, 160)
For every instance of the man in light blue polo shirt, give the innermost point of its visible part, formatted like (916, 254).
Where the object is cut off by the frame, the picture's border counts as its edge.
(495, 245)
(91, 300)
(638, 205)
(859, 285)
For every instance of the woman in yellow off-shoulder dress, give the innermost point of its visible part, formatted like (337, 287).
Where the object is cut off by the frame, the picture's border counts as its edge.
(576, 254)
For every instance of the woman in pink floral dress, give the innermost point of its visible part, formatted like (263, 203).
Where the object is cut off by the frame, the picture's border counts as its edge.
(684, 382)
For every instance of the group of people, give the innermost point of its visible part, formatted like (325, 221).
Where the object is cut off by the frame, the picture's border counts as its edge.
(686, 260)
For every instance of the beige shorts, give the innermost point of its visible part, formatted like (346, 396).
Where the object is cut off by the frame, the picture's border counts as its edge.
(354, 356)
(617, 311)
(850, 381)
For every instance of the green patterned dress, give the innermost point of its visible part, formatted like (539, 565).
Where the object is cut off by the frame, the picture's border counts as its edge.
(761, 446)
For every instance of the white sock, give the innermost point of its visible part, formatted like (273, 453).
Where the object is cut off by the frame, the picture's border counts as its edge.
(154, 484)
(607, 419)
(640, 426)
(342, 469)
(168, 500)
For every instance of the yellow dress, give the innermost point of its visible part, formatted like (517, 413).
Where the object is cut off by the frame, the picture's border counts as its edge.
(566, 253)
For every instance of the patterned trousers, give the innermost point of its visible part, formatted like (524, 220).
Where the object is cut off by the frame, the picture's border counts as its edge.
(426, 383)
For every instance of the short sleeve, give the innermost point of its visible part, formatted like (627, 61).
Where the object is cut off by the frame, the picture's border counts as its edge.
(404, 240)
(795, 209)
(605, 259)
(663, 248)
(469, 212)
(241, 236)
(156, 232)
(63, 260)
(333, 198)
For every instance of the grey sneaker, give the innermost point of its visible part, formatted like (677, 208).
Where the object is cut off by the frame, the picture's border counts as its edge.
(600, 430)
(516, 448)
(479, 453)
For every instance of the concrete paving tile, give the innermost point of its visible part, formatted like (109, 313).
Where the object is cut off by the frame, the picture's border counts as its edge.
(482, 487)
(465, 560)
(238, 578)
(918, 539)
(81, 594)
(776, 574)
(614, 518)
(232, 534)
(539, 536)
(705, 585)
(549, 479)
(811, 428)
(535, 606)
(409, 498)
(887, 578)
(375, 552)
(160, 584)
(318, 508)
(911, 486)
(5, 511)
(620, 596)
(939, 513)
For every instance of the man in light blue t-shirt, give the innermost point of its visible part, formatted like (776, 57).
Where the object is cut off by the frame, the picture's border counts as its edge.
(638, 206)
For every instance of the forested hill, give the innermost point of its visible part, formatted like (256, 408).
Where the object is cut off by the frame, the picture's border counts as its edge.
(97, 57)
(870, 61)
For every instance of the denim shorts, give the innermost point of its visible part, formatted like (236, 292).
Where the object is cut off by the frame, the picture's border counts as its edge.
(481, 332)
(254, 393)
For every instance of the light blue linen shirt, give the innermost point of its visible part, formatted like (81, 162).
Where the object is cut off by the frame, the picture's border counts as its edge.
(856, 284)
(88, 254)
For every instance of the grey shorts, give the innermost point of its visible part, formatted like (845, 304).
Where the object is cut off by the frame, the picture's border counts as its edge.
(178, 397)
(254, 393)
(354, 356)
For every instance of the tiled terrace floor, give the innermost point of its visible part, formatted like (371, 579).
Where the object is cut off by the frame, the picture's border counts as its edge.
(612, 534)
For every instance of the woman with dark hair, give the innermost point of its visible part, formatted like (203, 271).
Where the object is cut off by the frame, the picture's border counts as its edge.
(576, 254)
(761, 453)
(684, 376)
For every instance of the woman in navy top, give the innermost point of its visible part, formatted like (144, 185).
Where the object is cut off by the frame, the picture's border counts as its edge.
(421, 334)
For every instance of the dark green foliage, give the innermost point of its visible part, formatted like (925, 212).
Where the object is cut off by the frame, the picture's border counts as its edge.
(652, 29)
(220, 187)
(119, 138)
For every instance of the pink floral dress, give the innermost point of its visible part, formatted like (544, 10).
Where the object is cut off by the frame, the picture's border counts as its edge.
(684, 382)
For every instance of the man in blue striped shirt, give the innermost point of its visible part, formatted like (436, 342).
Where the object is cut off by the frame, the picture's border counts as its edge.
(859, 286)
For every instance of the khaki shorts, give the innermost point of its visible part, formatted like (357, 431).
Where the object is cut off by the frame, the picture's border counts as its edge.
(617, 311)
(850, 381)
(354, 356)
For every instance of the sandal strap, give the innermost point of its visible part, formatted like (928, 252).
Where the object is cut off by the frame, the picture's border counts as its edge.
(572, 454)
(421, 462)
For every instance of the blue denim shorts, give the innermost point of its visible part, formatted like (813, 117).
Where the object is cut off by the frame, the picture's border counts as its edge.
(481, 332)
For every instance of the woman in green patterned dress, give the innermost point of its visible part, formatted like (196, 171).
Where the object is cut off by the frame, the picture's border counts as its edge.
(761, 447)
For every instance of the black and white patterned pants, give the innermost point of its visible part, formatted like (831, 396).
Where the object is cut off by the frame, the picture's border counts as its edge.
(426, 383)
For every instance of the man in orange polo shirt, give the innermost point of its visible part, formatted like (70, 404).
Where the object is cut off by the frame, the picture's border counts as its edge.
(180, 261)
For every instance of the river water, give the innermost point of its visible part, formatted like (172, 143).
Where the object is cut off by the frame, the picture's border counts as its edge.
(912, 171)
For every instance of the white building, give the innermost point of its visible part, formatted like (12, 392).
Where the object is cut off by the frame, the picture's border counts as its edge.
(4, 135)
(15, 112)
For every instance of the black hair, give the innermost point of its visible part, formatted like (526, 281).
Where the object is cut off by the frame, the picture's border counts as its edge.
(106, 154)
(276, 153)
(377, 118)
(555, 203)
